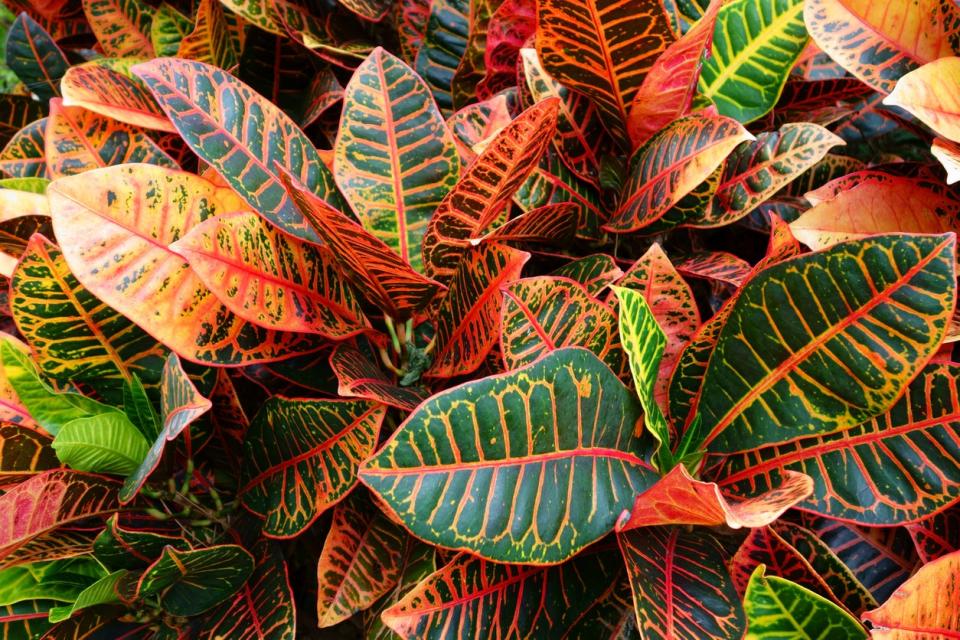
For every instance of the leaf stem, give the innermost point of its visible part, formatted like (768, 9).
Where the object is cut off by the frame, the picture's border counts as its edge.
(393, 333)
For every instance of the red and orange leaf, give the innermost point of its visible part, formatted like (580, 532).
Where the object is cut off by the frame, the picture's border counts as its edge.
(485, 189)
(379, 274)
(880, 42)
(468, 317)
(470, 69)
(78, 140)
(678, 498)
(23, 156)
(360, 561)
(757, 170)
(394, 157)
(764, 546)
(673, 305)
(876, 203)
(668, 89)
(603, 49)
(301, 457)
(671, 164)
(924, 606)
(719, 266)
(210, 41)
(271, 279)
(930, 94)
(511, 24)
(546, 313)
(551, 223)
(211, 110)
(580, 140)
(475, 125)
(557, 602)
(16, 112)
(49, 500)
(682, 589)
(122, 27)
(411, 17)
(595, 272)
(551, 182)
(107, 87)
(105, 214)
(359, 377)
(937, 535)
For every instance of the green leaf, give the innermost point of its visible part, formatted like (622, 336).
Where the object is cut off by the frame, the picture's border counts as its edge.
(528, 466)
(167, 29)
(50, 409)
(61, 580)
(443, 46)
(755, 45)
(191, 582)
(394, 158)
(139, 408)
(826, 341)
(118, 547)
(105, 443)
(103, 591)
(31, 185)
(778, 608)
(644, 341)
(35, 57)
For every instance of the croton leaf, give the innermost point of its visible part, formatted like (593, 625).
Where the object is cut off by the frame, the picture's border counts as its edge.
(595, 272)
(191, 582)
(210, 40)
(947, 152)
(73, 335)
(210, 108)
(122, 27)
(394, 158)
(378, 273)
(564, 423)
(360, 377)
(468, 317)
(419, 561)
(35, 57)
(271, 279)
(681, 587)
(60, 580)
(296, 471)
(902, 465)
(25, 619)
(443, 45)
(106, 86)
(78, 140)
(546, 313)
(757, 170)
(105, 443)
(485, 189)
(167, 29)
(17, 112)
(778, 607)
(552, 182)
(263, 608)
(23, 156)
(106, 212)
(815, 362)
(360, 561)
(550, 224)
(671, 164)
(927, 94)
(24, 452)
(121, 546)
(876, 203)
(668, 89)
(755, 45)
(180, 405)
(52, 499)
(473, 592)
(511, 24)
(879, 44)
(411, 17)
(678, 498)
(475, 126)
(470, 70)
(937, 535)
(603, 49)
(581, 139)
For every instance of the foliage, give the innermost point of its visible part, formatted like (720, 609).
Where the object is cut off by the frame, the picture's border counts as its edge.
(492, 318)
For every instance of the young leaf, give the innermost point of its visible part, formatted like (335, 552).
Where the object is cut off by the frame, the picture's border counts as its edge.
(553, 424)
(775, 606)
(209, 108)
(879, 43)
(360, 560)
(394, 158)
(35, 57)
(104, 443)
(105, 212)
(776, 375)
(271, 279)
(603, 50)
(60, 580)
(294, 473)
(671, 164)
(755, 45)
(360, 377)
(681, 587)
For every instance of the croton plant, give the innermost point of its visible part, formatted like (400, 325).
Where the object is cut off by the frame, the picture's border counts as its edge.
(480, 319)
